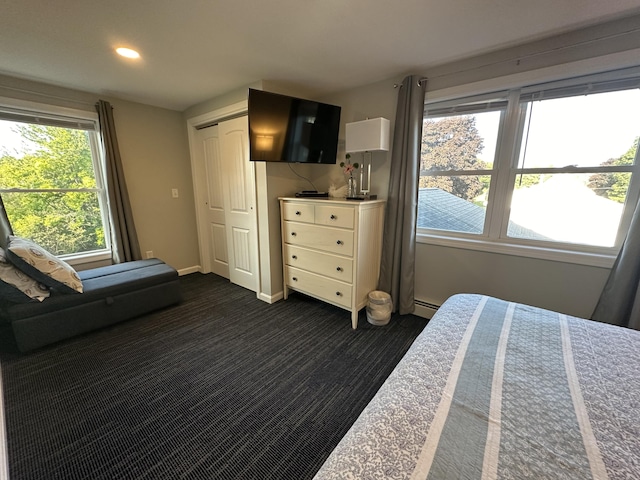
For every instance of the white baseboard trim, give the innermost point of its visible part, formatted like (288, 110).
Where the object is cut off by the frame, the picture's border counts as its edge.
(188, 270)
(424, 309)
(271, 298)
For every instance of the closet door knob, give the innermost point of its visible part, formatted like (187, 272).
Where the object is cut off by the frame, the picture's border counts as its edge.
(339, 242)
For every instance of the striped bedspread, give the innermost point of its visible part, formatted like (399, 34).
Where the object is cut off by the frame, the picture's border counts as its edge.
(493, 389)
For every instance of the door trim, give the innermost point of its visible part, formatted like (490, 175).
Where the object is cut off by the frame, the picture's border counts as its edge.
(192, 125)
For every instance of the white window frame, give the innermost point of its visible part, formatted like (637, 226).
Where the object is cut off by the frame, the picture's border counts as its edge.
(494, 239)
(33, 109)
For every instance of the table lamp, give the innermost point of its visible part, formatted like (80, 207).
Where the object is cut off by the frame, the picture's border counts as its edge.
(367, 136)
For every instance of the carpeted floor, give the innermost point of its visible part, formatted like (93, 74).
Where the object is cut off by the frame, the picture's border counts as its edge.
(222, 386)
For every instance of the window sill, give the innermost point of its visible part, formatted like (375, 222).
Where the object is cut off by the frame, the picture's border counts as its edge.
(529, 251)
(79, 259)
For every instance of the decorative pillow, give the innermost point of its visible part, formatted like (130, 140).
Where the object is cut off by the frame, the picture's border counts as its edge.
(18, 287)
(42, 266)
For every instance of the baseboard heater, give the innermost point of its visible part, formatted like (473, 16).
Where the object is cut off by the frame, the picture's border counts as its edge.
(425, 309)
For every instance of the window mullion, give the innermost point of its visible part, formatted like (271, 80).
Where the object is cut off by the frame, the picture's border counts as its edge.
(505, 167)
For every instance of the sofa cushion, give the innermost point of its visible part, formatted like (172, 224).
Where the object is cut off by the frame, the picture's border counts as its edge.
(42, 266)
(16, 286)
(118, 268)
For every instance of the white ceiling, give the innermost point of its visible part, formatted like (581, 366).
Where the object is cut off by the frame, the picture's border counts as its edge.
(194, 50)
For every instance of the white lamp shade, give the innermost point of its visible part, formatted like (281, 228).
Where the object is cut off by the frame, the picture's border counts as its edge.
(367, 135)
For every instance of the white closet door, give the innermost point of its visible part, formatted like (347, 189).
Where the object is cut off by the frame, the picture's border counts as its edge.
(212, 202)
(239, 190)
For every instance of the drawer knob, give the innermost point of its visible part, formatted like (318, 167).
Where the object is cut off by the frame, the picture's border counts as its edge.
(298, 212)
(293, 234)
(333, 217)
(339, 269)
(295, 279)
(295, 257)
(339, 294)
(339, 242)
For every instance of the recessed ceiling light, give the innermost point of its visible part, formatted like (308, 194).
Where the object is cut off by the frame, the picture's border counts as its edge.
(127, 52)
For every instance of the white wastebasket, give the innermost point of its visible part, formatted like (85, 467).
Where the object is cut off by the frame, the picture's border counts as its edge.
(379, 308)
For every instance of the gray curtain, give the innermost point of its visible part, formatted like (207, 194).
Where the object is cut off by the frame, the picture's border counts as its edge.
(397, 270)
(619, 303)
(124, 240)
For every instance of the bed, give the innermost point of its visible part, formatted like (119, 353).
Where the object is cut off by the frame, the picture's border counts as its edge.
(493, 389)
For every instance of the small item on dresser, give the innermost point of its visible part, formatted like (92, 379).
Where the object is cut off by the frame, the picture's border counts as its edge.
(311, 193)
(337, 192)
(352, 189)
(363, 197)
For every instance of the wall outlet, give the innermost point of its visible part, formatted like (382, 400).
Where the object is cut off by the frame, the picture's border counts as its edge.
(174, 192)
(149, 253)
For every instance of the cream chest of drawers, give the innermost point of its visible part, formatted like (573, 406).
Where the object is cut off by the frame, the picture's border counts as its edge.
(331, 249)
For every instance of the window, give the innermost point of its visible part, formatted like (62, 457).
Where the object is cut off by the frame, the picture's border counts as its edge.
(51, 181)
(537, 169)
(456, 171)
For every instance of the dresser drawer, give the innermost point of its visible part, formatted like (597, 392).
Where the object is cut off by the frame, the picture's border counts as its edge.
(333, 240)
(334, 216)
(334, 266)
(299, 212)
(325, 288)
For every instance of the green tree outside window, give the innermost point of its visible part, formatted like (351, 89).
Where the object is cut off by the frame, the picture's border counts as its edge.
(36, 184)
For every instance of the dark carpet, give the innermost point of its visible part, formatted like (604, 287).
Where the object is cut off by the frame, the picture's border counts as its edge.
(222, 386)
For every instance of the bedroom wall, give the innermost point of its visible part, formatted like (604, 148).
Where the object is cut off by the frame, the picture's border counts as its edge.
(153, 146)
(443, 271)
(368, 101)
(155, 153)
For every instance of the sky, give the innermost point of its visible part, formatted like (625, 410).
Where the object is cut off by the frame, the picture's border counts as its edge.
(583, 130)
(10, 142)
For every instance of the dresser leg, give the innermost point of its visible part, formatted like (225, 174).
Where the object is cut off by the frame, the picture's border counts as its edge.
(354, 319)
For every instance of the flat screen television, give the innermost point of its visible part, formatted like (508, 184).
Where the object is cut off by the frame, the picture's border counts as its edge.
(289, 129)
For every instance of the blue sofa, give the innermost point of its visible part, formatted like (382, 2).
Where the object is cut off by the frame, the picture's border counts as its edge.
(111, 294)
